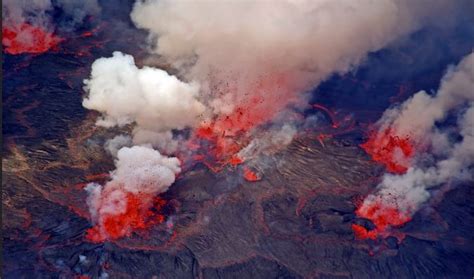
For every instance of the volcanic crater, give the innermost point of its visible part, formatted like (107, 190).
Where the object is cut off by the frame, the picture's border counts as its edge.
(291, 213)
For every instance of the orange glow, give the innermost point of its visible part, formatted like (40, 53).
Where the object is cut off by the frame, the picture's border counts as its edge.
(250, 175)
(139, 215)
(390, 150)
(235, 160)
(361, 232)
(27, 38)
(268, 96)
(221, 150)
(382, 216)
(218, 142)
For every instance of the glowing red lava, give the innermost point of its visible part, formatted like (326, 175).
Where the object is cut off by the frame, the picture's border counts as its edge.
(250, 175)
(215, 149)
(390, 150)
(27, 38)
(382, 216)
(217, 143)
(361, 232)
(264, 100)
(138, 215)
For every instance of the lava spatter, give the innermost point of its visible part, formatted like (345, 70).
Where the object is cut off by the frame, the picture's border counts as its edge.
(250, 175)
(391, 150)
(217, 142)
(383, 216)
(141, 212)
(361, 232)
(214, 148)
(27, 38)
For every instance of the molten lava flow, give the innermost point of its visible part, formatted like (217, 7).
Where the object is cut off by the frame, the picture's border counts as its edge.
(361, 232)
(250, 175)
(382, 216)
(390, 150)
(139, 214)
(27, 38)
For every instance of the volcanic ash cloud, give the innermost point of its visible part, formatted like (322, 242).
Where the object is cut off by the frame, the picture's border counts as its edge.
(437, 156)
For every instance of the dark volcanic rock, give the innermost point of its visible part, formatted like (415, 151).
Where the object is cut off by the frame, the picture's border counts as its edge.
(288, 225)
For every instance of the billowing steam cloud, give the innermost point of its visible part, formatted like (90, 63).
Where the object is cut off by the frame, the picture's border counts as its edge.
(28, 27)
(141, 173)
(155, 103)
(241, 63)
(151, 98)
(233, 47)
(419, 120)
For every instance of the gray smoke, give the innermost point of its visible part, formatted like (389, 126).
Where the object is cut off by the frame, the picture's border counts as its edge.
(258, 56)
(417, 118)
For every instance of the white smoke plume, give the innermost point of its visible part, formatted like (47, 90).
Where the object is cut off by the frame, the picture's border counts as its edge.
(247, 58)
(163, 141)
(454, 90)
(254, 58)
(116, 143)
(148, 97)
(140, 171)
(449, 160)
(231, 46)
(155, 103)
(268, 141)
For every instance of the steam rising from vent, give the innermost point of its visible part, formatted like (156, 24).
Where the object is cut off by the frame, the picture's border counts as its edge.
(255, 58)
(155, 103)
(123, 204)
(241, 64)
(420, 120)
(310, 39)
(231, 46)
(150, 98)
